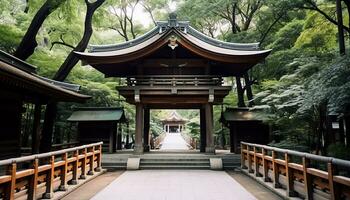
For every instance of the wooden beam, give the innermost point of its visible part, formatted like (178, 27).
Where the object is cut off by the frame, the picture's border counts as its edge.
(333, 189)
(307, 180)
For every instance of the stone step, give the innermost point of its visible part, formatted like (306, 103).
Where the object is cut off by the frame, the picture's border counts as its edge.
(174, 167)
(175, 163)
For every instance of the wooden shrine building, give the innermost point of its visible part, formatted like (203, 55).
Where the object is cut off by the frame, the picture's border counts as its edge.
(174, 66)
(100, 124)
(21, 86)
(174, 123)
(244, 127)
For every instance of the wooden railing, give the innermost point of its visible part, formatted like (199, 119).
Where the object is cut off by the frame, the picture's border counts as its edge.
(301, 174)
(158, 140)
(40, 175)
(176, 80)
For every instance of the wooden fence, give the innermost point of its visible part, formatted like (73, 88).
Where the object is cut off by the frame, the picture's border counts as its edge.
(300, 174)
(40, 175)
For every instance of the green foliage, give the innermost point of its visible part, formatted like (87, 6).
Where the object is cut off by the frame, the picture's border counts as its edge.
(318, 35)
(287, 35)
(10, 37)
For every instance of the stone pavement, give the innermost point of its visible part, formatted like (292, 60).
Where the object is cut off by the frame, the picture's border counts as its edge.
(174, 141)
(174, 185)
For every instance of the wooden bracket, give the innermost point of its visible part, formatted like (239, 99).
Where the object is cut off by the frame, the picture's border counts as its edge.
(211, 95)
(137, 96)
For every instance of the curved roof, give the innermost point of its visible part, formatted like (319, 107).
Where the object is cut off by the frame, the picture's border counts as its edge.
(181, 34)
(174, 117)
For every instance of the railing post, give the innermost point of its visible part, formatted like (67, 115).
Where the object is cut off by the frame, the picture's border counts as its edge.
(242, 157)
(307, 179)
(275, 170)
(83, 165)
(265, 167)
(10, 190)
(92, 160)
(99, 159)
(74, 180)
(49, 179)
(332, 185)
(63, 186)
(256, 164)
(32, 189)
(289, 177)
(250, 170)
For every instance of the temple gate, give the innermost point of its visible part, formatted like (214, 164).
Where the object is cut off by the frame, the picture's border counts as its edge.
(174, 66)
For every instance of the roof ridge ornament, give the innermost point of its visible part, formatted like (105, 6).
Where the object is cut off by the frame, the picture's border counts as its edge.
(172, 20)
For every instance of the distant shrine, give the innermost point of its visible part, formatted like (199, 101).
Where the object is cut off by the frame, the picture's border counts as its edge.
(174, 123)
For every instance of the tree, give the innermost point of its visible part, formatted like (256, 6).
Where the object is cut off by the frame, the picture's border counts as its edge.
(63, 72)
(28, 44)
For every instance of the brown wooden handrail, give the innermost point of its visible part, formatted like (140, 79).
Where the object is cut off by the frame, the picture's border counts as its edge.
(40, 175)
(305, 178)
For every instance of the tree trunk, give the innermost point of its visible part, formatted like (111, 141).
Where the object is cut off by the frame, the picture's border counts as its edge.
(240, 92)
(72, 60)
(341, 38)
(62, 73)
(28, 44)
(248, 88)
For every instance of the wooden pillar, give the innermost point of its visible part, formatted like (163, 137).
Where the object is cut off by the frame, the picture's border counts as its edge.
(32, 189)
(50, 179)
(138, 149)
(47, 133)
(203, 134)
(111, 145)
(290, 178)
(119, 136)
(36, 129)
(146, 125)
(209, 148)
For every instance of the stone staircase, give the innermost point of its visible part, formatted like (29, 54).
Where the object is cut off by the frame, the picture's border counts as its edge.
(160, 160)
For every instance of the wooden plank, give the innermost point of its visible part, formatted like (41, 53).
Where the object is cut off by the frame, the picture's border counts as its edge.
(99, 159)
(317, 173)
(250, 170)
(342, 180)
(33, 183)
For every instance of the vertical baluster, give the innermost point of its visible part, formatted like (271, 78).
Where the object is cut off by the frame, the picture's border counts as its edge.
(10, 190)
(83, 165)
(99, 159)
(250, 170)
(242, 157)
(256, 164)
(332, 185)
(265, 166)
(275, 170)
(289, 176)
(92, 160)
(33, 183)
(307, 179)
(49, 179)
(64, 171)
(74, 180)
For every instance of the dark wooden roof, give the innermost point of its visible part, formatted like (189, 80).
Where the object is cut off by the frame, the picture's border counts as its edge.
(174, 117)
(19, 75)
(177, 42)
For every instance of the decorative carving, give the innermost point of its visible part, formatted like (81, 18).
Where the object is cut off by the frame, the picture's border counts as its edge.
(173, 42)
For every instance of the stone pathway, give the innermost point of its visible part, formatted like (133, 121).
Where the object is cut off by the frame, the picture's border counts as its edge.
(174, 141)
(174, 185)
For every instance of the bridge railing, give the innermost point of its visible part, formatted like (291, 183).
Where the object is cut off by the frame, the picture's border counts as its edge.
(40, 175)
(300, 174)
